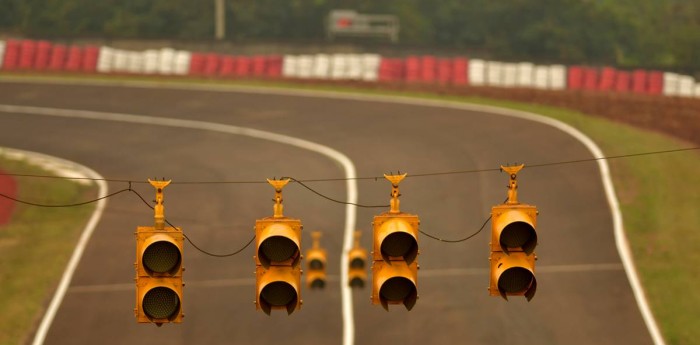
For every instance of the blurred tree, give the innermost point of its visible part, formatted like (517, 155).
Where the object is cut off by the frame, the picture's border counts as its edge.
(627, 33)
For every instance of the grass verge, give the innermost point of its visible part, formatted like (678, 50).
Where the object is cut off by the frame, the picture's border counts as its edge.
(658, 195)
(35, 247)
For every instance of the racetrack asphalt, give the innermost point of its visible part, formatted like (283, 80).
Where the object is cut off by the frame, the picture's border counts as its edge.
(583, 296)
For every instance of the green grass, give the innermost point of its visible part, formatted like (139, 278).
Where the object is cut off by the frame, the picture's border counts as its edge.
(659, 196)
(35, 247)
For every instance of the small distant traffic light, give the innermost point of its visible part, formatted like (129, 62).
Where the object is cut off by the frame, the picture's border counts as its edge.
(278, 258)
(316, 260)
(395, 252)
(357, 262)
(159, 267)
(513, 241)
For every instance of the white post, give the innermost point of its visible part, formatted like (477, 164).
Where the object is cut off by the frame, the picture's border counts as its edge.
(220, 19)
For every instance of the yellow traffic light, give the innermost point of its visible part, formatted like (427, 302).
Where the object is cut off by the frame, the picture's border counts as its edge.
(513, 241)
(394, 255)
(316, 260)
(278, 258)
(159, 267)
(357, 261)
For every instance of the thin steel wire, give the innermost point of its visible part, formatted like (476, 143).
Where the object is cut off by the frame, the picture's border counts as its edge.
(190, 241)
(461, 239)
(376, 178)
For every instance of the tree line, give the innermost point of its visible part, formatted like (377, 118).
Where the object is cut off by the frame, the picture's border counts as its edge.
(626, 33)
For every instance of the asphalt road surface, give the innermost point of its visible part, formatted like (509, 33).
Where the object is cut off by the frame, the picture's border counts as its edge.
(583, 295)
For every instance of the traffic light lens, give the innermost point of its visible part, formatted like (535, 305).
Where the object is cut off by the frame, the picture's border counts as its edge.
(357, 263)
(161, 257)
(515, 280)
(278, 294)
(278, 248)
(318, 284)
(396, 289)
(316, 264)
(357, 282)
(519, 234)
(161, 303)
(399, 244)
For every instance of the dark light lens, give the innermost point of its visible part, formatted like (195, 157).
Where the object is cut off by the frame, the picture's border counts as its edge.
(318, 283)
(357, 283)
(278, 294)
(515, 280)
(396, 289)
(161, 303)
(161, 257)
(517, 234)
(316, 264)
(399, 244)
(278, 248)
(357, 263)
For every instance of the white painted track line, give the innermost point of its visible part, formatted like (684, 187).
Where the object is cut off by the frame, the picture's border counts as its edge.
(344, 161)
(621, 241)
(82, 241)
(620, 237)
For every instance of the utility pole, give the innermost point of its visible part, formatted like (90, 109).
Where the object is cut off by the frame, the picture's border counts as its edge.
(220, 19)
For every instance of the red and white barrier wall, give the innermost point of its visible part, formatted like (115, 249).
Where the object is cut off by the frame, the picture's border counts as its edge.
(337, 66)
(31, 55)
(165, 61)
(2, 53)
(612, 80)
(516, 75)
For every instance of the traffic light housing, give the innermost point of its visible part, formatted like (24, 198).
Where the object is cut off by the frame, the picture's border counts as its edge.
(395, 254)
(513, 241)
(159, 267)
(357, 262)
(278, 258)
(316, 264)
